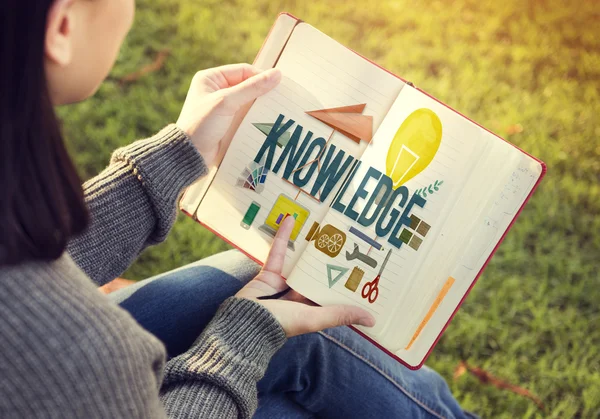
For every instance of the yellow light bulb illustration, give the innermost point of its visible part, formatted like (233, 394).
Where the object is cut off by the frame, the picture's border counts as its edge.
(414, 146)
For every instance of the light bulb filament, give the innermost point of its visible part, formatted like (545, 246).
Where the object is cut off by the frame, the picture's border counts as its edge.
(404, 163)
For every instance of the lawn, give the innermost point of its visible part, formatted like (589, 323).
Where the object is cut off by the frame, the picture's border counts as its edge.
(528, 70)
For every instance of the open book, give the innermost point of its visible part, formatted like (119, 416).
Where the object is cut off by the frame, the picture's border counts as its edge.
(399, 201)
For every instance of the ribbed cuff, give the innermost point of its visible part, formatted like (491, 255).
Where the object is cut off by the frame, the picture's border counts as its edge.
(164, 165)
(250, 328)
(166, 162)
(232, 354)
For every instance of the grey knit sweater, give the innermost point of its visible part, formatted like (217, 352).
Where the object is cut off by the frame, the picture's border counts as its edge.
(66, 351)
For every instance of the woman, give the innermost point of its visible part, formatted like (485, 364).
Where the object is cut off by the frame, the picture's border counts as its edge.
(66, 350)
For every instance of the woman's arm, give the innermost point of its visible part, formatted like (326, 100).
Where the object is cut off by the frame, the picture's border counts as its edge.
(217, 377)
(66, 351)
(132, 202)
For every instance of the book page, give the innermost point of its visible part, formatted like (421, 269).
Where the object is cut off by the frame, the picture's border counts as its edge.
(285, 162)
(393, 154)
(462, 189)
(506, 178)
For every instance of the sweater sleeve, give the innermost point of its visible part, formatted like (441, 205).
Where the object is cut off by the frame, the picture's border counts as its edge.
(132, 202)
(66, 351)
(217, 377)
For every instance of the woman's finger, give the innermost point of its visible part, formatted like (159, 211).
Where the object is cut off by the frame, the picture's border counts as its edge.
(320, 318)
(248, 90)
(230, 74)
(276, 257)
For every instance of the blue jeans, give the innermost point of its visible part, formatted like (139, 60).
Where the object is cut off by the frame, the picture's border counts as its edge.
(334, 373)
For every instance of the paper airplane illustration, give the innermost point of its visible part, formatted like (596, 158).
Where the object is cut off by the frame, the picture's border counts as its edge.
(347, 120)
(266, 129)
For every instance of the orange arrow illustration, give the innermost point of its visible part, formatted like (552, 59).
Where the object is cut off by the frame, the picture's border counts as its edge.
(347, 120)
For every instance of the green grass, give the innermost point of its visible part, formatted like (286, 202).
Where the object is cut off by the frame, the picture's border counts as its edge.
(533, 318)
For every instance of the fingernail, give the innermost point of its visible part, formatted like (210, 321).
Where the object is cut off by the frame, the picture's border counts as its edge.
(368, 321)
(292, 220)
(273, 77)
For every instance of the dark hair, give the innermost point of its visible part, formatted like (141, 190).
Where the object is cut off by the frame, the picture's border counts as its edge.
(41, 199)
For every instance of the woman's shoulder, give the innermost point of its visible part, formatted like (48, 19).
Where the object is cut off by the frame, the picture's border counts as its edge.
(57, 298)
(60, 336)
(54, 308)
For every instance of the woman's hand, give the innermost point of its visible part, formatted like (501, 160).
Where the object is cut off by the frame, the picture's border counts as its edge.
(215, 96)
(296, 314)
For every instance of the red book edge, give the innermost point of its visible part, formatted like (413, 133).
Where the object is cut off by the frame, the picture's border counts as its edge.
(544, 170)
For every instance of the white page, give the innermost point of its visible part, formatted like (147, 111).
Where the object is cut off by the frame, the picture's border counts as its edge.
(318, 73)
(460, 144)
(514, 176)
(485, 181)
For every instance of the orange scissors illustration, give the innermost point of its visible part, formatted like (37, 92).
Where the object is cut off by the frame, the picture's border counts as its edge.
(371, 289)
